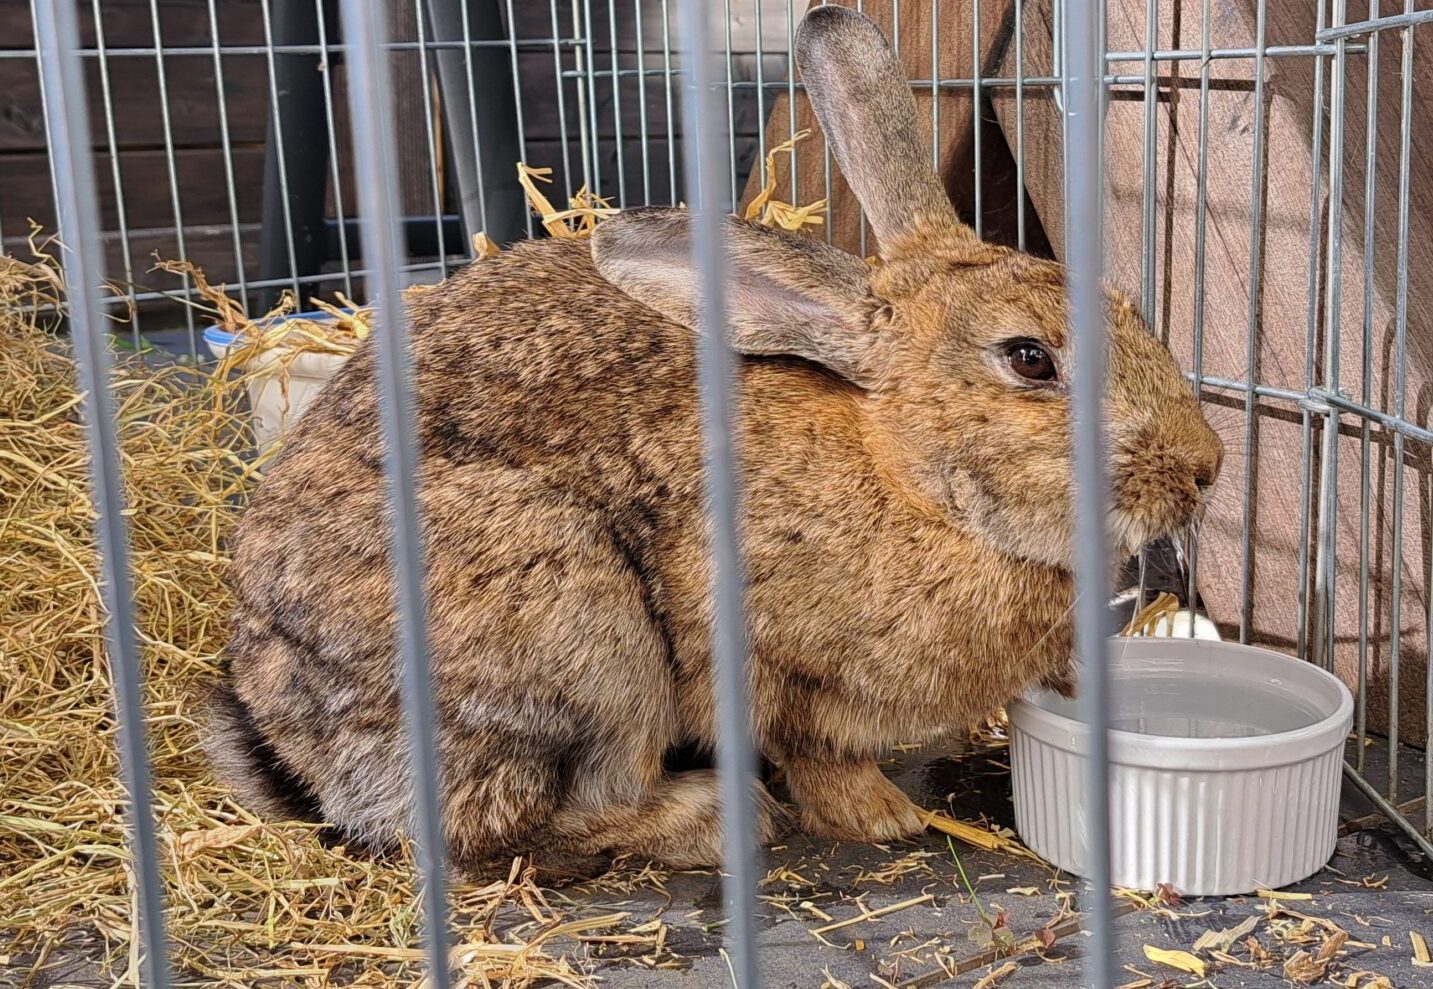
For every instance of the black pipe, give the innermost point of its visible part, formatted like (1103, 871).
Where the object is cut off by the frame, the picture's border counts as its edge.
(296, 150)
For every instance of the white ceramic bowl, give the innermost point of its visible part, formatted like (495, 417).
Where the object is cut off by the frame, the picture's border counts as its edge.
(1226, 764)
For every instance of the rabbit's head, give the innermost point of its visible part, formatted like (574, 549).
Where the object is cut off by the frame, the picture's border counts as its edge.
(958, 351)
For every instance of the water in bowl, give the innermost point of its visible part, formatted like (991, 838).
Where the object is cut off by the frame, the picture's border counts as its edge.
(1180, 703)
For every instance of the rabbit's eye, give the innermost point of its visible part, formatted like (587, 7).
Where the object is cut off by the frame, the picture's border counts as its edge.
(1030, 361)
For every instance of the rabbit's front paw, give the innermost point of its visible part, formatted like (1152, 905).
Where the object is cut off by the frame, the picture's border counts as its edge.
(851, 801)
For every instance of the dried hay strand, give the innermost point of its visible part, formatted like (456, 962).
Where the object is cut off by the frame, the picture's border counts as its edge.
(765, 208)
(574, 223)
(1145, 622)
(347, 326)
(585, 210)
(249, 903)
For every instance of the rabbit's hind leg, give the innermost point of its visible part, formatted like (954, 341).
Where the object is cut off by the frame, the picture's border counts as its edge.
(554, 673)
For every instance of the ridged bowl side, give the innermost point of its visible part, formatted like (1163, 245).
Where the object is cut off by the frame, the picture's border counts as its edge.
(1207, 833)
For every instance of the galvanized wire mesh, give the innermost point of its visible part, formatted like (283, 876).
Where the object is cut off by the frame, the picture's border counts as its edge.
(221, 133)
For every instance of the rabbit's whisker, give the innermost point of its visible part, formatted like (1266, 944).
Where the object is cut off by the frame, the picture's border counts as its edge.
(1045, 636)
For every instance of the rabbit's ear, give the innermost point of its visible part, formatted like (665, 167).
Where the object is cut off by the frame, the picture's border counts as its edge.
(786, 294)
(863, 101)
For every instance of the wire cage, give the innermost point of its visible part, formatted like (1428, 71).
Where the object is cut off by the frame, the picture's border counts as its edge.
(1254, 180)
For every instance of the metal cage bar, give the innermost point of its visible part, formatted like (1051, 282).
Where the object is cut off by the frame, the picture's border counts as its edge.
(376, 166)
(1201, 212)
(121, 213)
(1083, 93)
(68, 131)
(707, 167)
(162, 78)
(1251, 351)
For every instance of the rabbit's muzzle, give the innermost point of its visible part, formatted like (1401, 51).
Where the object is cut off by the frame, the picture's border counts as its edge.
(1163, 478)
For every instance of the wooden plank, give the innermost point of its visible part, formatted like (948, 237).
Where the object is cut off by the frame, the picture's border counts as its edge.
(129, 23)
(194, 120)
(1273, 466)
(956, 109)
(210, 247)
(25, 188)
(140, 135)
(193, 100)
(25, 184)
(538, 89)
(195, 116)
(134, 99)
(534, 20)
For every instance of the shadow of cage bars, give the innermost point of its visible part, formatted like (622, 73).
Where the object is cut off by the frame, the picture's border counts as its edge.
(1082, 87)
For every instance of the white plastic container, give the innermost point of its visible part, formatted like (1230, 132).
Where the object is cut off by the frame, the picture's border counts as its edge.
(1226, 765)
(273, 407)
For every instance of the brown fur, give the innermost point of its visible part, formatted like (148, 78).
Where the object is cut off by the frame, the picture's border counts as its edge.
(906, 530)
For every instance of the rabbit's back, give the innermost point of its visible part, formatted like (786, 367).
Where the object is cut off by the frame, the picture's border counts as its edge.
(525, 357)
(536, 382)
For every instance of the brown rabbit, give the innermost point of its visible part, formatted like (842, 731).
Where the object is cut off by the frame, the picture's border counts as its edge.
(906, 438)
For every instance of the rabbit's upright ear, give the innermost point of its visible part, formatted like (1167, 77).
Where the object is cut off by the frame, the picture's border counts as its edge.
(785, 294)
(863, 101)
